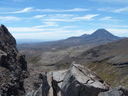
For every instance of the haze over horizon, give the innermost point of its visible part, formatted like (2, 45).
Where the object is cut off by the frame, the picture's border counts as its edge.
(60, 19)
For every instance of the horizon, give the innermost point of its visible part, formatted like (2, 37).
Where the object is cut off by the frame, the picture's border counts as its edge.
(30, 41)
(55, 20)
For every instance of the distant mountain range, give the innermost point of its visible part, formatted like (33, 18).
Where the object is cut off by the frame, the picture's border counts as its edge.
(48, 53)
(100, 36)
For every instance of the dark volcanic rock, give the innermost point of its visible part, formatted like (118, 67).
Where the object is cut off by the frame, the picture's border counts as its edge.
(13, 67)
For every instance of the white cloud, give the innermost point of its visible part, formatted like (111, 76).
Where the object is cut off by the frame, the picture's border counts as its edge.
(38, 29)
(119, 32)
(55, 17)
(86, 17)
(105, 9)
(77, 9)
(43, 35)
(60, 15)
(37, 32)
(69, 10)
(50, 23)
(47, 24)
(31, 9)
(109, 18)
(115, 10)
(9, 18)
(28, 9)
(125, 9)
(59, 20)
(25, 29)
(106, 18)
(39, 16)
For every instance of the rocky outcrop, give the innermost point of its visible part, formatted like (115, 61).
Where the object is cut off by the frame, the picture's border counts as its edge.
(76, 81)
(13, 66)
(118, 91)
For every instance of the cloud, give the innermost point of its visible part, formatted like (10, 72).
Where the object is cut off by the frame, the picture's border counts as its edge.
(59, 20)
(68, 17)
(77, 9)
(41, 33)
(28, 9)
(125, 9)
(106, 18)
(70, 10)
(110, 9)
(39, 16)
(9, 18)
(109, 18)
(119, 32)
(86, 17)
(47, 24)
(105, 9)
(31, 9)
(37, 29)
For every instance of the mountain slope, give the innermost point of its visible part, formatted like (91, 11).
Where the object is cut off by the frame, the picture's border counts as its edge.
(102, 34)
(49, 53)
(110, 61)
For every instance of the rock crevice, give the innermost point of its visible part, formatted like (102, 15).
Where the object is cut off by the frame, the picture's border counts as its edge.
(76, 81)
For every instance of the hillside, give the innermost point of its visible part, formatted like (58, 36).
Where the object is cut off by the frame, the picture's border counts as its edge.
(49, 53)
(18, 78)
(109, 61)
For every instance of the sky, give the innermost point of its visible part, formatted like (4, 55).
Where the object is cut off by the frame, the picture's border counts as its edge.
(60, 19)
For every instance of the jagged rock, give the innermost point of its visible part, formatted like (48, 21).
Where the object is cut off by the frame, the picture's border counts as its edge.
(12, 64)
(77, 81)
(55, 80)
(37, 92)
(80, 81)
(118, 91)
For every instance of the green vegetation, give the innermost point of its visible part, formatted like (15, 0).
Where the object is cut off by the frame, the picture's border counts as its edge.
(33, 59)
(112, 74)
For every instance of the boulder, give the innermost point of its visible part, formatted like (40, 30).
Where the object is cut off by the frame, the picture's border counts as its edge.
(80, 81)
(118, 91)
(76, 81)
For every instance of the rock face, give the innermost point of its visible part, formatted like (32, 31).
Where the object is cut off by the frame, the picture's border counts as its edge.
(13, 67)
(76, 81)
(118, 91)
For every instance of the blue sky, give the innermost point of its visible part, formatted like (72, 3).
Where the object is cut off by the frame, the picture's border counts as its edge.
(60, 19)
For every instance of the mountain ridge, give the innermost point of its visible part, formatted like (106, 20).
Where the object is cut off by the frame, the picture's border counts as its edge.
(108, 60)
(50, 53)
(84, 39)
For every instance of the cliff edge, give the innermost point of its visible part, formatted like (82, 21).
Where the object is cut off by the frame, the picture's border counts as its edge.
(13, 66)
